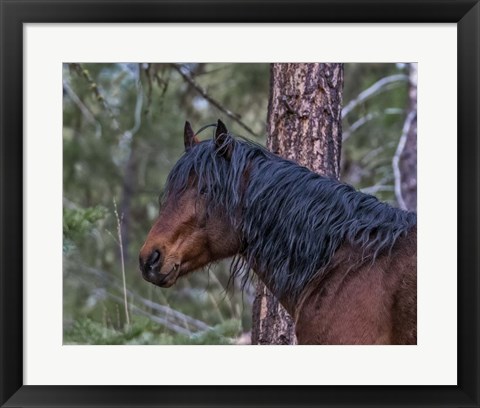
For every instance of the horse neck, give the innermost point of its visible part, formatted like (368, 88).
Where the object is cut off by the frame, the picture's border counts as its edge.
(346, 257)
(288, 302)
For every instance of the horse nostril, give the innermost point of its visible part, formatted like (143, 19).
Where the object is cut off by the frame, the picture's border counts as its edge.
(153, 260)
(150, 263)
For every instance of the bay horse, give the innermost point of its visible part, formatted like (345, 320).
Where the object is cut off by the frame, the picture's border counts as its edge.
(341, 262)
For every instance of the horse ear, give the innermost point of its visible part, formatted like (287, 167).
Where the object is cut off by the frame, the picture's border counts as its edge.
(221, 131)
(189, 137)
(221, 135)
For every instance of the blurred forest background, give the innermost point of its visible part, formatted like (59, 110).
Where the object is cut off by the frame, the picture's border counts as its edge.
(122, 133)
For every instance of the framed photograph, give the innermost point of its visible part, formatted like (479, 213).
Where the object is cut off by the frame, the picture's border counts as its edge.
(106, 105)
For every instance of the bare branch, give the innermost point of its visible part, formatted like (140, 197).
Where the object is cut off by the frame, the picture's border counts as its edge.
(375, 152)
(376, 188)
(168, 311)
(138, 108)
(96, 91)
(160, 320)
(367, 118)
(214, 102)
(379, 186)
(396, 158)
(87, 114)
(198, 324)
(378, 87)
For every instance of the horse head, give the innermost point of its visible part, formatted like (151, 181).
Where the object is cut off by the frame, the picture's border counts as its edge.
(188, 234)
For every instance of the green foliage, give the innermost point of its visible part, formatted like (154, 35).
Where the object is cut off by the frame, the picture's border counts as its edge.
(143, 331)
(78, 221)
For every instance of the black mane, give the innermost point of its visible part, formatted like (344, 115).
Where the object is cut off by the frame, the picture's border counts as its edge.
(292, 220)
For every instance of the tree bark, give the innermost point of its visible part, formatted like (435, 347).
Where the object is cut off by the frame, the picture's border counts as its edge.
(406, 171)
(304, 125)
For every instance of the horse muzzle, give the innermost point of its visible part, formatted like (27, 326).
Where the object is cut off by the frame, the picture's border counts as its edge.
(151, 268)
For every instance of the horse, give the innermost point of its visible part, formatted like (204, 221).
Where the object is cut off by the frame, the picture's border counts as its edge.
(341, 262)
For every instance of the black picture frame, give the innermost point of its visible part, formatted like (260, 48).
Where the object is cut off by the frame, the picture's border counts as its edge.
(14, 13)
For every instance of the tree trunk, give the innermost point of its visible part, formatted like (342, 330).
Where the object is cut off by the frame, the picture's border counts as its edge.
(406, 156)
(304, 125)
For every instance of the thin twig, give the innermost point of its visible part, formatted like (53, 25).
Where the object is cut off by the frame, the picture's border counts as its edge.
(120, 244)
(214, 102)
